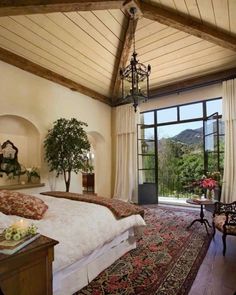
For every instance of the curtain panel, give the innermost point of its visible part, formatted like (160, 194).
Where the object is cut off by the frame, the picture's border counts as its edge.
(126, 153)
(229, 117)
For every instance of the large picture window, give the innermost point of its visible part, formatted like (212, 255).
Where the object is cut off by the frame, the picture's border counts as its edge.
(177, 145)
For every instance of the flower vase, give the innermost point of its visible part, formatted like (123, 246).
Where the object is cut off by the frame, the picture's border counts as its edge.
(210, 194)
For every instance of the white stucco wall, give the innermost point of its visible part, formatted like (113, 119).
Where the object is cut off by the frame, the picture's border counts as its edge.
(42, 102)
(198, 94)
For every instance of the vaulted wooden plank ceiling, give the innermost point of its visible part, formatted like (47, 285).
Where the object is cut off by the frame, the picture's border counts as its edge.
(82, 44)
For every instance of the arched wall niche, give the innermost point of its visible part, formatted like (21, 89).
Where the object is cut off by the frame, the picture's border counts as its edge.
(25, 136)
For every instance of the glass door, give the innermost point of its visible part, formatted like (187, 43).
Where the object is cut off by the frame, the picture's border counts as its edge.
(211, 143)
(147, 161)
(214, 149)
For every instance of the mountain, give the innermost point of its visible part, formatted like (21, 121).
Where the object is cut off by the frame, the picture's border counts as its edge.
(195, 136)
(189, 136)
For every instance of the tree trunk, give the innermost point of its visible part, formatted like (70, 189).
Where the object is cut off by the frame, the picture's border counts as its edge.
(67, 179)
(67, 186)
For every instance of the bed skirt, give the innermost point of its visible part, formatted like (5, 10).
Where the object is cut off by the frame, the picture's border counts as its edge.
(79, 274)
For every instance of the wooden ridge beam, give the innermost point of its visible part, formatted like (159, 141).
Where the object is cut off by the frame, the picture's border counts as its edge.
(20, 7)
(29, 66)
(192, 83)
(188, 25)
(128, 39)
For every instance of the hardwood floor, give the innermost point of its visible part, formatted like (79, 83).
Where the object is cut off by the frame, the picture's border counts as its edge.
(217, 274)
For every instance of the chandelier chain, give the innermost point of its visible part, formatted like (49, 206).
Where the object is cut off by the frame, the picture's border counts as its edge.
(133, 27)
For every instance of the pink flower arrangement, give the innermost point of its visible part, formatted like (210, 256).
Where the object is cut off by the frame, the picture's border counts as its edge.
(208, 183)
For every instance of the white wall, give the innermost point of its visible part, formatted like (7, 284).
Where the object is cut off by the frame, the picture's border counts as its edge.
(203, 93)
(42, 102)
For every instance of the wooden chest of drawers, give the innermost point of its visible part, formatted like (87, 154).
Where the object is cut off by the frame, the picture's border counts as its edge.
(29, 271)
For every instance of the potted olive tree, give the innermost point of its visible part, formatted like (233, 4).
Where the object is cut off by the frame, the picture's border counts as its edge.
(66, 146)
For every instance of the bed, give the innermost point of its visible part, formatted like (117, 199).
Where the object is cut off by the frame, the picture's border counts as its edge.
(90, 239)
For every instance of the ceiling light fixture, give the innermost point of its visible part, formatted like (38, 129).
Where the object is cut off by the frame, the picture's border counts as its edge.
(135, 77)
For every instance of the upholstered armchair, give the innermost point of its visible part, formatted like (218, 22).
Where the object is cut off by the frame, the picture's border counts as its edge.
(224, 219)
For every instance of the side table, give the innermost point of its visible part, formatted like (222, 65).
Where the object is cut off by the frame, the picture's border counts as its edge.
(202, 220)
(28, 271)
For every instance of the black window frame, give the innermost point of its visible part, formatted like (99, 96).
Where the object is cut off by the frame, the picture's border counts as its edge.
(178, 121)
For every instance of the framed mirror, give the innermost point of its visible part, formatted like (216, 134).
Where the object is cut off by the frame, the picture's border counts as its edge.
(8, 158)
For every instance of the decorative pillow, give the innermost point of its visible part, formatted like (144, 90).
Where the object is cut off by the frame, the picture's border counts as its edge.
(15, 203)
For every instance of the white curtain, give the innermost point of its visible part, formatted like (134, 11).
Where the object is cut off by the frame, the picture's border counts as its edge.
(126, 153)
(229, 117)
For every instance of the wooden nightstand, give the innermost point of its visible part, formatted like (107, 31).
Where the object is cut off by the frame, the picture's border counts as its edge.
(29, 271)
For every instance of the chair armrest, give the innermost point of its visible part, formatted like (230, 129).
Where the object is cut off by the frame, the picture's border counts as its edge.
(222, 208)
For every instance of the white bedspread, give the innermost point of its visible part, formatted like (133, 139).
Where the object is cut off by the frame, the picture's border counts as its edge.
(79, 227)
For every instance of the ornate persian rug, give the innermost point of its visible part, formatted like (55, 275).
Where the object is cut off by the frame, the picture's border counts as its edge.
(165, 261)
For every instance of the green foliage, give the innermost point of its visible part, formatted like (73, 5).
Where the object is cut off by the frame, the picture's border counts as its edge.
(148, 161)
(66, 145)
(178, 165)
(32, 172)
(191, 167)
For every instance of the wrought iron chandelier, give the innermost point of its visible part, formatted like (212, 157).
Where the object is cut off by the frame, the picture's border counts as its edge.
(135, 77)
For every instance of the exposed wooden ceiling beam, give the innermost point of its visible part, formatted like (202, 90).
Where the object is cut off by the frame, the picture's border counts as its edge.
(128, 39)
(188, 25)
(19, 7)
(194, 83)
(33, 68)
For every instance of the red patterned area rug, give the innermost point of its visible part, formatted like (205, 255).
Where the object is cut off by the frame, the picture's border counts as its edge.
(165, 261)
